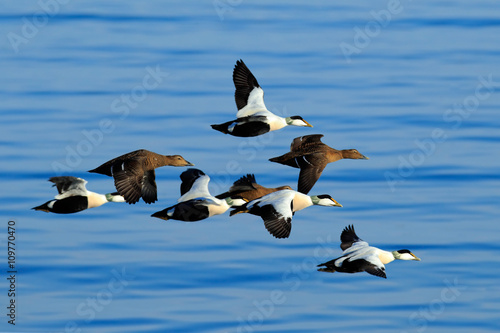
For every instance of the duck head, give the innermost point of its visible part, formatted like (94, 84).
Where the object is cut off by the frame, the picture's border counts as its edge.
(404, 255)
(297, 121)
(324, 200)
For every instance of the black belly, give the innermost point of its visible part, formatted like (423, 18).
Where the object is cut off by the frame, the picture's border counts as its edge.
(70, 205)
(245, 127)
(190, 211)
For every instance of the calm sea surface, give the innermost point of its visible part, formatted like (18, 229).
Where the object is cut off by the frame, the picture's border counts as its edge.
(412, 85)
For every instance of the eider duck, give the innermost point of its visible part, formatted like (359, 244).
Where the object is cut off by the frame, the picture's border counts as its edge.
(74, 197)
(276, 209)
(311, 156)
(253, 118)
(196, 203)
(134, 173)
(257, 191)
(358, 256)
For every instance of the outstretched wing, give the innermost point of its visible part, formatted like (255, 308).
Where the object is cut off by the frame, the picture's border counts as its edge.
(148, 188)
(194, 185)
(375, 270)
(276, 211)
(68, 186)
(348, 237)
(129, 178)
(248, 95)
(276, 223)
(303, 141)
(311, 166)
(188, 178)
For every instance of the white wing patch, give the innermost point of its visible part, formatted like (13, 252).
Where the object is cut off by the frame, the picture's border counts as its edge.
(75, 188)
(360, 250)
(255, 103)
(280, 200)
(199, 189)
(275, 199)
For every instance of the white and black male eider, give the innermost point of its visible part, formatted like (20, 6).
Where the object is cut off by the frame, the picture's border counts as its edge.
(277, 209)
(196, 203)
(134, 173)
(358, 256)
(253, 118)
(74, 197)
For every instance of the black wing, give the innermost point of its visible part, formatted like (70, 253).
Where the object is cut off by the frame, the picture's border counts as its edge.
(375, 270)
(188, 178)
(244, 82)
(348, 237)
(276, 223)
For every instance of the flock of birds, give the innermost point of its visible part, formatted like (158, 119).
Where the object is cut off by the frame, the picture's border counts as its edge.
(134, 178)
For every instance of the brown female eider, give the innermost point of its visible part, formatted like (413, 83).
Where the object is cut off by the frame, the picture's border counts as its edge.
(311, 156)
(134, 173)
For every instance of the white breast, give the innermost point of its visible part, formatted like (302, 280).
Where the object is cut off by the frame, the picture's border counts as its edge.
(301, 201)
(96, 199)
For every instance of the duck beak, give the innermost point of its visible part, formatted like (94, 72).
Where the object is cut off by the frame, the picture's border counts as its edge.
(365, 158)
(307, 124)
(416, 258)
(189, 164)
(336, 203)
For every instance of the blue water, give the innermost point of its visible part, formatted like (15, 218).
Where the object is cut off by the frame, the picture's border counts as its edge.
(418, 93)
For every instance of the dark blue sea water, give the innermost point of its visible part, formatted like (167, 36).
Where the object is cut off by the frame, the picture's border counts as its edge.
(412, 85)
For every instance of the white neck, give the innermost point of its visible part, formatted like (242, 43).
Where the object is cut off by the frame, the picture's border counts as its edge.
(217, 206)
(301, 201)
(386, 256)
(96, 199)
(276, 122)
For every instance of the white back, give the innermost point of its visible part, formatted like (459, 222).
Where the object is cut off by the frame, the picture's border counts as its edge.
(75, 188)
(255, 103)
(198, 190)
(301, 201)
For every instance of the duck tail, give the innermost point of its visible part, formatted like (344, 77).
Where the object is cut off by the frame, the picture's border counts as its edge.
(239, 210)
(162, 214)
(221, 128)
(329, 267)
(285, 159)
(43, 208)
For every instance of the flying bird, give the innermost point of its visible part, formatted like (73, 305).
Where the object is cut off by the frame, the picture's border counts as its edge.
(358, 256)
(134, 173)
(276, 209)
(74, 197)
(257, 191)
(311, 156)
(253, 118)
(196, 203)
